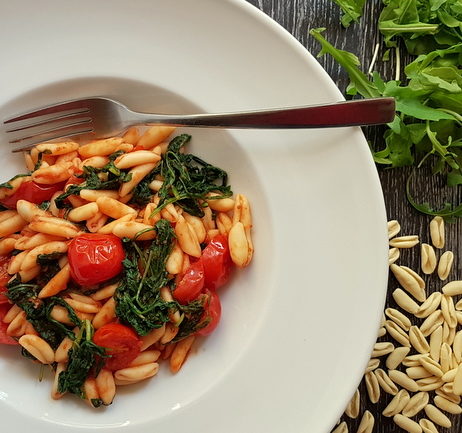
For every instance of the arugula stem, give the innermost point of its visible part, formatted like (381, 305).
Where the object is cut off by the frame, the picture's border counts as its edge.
(425, 158)
(145, 272)
(409, 29)
(436, 144)
(78, 337)
(374, 59)
(88, 330)
(457, 116)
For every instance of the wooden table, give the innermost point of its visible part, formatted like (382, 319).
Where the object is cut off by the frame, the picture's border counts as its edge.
(298, 17)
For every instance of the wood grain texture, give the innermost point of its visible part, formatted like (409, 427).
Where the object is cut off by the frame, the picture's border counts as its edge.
(298, 17)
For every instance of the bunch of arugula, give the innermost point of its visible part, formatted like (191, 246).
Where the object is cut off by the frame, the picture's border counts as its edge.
(428, 124)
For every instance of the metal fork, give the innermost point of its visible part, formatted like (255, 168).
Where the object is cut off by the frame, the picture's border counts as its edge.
(98, 117)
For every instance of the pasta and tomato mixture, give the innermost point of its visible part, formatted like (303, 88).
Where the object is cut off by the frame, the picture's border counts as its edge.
(111, 256)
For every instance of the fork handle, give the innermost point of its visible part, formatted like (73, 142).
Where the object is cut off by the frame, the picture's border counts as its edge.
(361, 112)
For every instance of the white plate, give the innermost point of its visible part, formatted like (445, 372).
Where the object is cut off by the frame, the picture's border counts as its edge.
(298, 325)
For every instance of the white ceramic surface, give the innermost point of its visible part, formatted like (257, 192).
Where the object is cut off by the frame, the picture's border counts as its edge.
(298, 325)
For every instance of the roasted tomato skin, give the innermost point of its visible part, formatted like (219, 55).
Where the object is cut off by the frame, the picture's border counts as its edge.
(32, 192)
(191, 285)
(212, 312)
(217, 262)
(95, 258)
(121, 343)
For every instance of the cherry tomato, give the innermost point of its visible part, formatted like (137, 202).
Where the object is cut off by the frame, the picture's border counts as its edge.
(95, 258)
(217, 262)
(121, 342)
(33, 192)
(4, 278)
(212, 311)
(191, 285)
(5, 339)
(74, 180)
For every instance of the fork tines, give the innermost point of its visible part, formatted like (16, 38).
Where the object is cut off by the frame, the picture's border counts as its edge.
(49, 123)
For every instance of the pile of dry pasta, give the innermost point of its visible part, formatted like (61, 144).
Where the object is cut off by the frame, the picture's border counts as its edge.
(415, 370)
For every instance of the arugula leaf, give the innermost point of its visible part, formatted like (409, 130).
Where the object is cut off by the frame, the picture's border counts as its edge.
(44, 205)
(142, 194)
(138, 300)
(411, 102)
(38, 311)
(350, 63)
(84, 356)
(48, 259)
(352, 10)
(424, 25)
(187, 179)
(107, 177)
(193, 317)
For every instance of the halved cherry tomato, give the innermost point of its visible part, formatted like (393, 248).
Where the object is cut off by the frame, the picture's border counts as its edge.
(217, 262)
(95, 258)
(33, 192)
(5, 339)
(4, 277)
(121, 342)
(212, 311)
(191, 285)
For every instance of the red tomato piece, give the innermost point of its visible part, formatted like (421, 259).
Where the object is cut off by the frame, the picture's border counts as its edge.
(121, 342)
(217, 262)
(33, 192)
(5, 339)
(191, 285)
(74, 180)
(212, 311)
(95, 258)
(3, 297)
(4, 278)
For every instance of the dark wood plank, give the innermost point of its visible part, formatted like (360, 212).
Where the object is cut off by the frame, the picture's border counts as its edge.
(298, 17)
